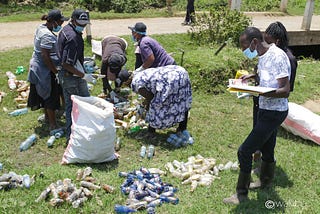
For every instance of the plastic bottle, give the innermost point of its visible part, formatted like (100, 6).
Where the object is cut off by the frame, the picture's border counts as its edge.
(54, 131)
(26, 181)
(12, 84)
(151, 210)
(123, 209)
(118, 144)
(51, 141)
(134, 129)
(188, 137)
(59, 134)
(10, 75)
(25, 145)
(143, 151)
(150, 151)
(1, 166)
(19, 112)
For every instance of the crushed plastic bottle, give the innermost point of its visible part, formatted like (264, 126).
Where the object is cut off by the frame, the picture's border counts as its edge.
(25, 145)
(123, 209)
(150, 151)
(12, 84)
(26, 181)
(20, 69)
(143, 151)
(118, 144)
(134, 129)
(51, 141)
(19, 112)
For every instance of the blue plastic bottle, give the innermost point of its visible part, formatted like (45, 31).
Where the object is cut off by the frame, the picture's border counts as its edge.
(25, 145)
(19, 112)
(123, 209)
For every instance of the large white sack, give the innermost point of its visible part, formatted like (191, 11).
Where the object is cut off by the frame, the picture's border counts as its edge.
(93, 131)
(303, 122)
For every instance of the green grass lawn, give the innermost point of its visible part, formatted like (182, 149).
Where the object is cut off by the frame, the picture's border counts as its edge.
(219, 124)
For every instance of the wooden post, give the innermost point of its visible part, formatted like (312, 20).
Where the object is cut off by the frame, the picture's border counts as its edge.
(307, 17)
(235, 4)
(88, 31)
(284, 6)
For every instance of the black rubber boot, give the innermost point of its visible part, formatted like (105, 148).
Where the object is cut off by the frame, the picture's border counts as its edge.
(266, 176)
(242, 190)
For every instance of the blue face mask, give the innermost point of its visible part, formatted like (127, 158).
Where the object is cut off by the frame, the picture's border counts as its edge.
(133, 38)
(250, 54)
(57, 29)
(79, 29)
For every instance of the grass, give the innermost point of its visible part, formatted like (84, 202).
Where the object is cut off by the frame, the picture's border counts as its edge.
(219, 124)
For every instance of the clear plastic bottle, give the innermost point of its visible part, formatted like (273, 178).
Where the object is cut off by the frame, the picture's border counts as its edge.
(150, 151)
(12, 84)
(1, 166)
(151, 210)
(117, 145)
(51, 141)
(143, 151)
(19, 112)
(25, 145)
(123, 209)
(26, 181)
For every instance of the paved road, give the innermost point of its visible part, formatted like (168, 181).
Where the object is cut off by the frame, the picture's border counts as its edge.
(20, 34)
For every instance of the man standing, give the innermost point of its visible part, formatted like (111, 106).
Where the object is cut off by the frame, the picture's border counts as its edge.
(152, 53)
(274, 71)
(71, 51)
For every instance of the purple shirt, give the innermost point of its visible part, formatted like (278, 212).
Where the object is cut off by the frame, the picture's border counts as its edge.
(150, 46)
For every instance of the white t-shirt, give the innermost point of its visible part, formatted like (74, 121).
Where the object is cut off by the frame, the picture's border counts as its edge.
(273, 65)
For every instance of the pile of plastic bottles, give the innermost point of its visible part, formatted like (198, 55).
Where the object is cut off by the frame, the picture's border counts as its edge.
(12, 180)
(180, 139)
(145, 191)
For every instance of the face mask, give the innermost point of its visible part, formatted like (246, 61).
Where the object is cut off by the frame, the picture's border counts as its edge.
(57, 29)
(133, 38)
(79, 29)
(250, 54)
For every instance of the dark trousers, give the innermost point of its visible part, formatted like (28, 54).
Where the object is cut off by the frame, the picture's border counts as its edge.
(262, 137)
(190, 11)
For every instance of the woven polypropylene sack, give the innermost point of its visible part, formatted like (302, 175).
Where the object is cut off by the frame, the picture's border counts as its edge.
(302, 122)
(93, 131)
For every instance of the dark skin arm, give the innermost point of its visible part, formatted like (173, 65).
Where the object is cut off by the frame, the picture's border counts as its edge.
(147, 95)
(149, 61)
(283, 91)
(45, 53)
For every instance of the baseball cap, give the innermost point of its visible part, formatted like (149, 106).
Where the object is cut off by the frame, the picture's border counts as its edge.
(81, 17)
(139, 28)
(56, 15)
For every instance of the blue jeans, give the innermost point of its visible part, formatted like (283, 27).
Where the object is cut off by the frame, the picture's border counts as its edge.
(72, 85)
(262, 137)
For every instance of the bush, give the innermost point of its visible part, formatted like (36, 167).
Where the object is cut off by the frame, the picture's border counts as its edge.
(266, 5)
(219, 25)
(127, 6)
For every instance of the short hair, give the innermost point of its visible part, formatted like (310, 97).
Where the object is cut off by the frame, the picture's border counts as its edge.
(278, 31)
(251, 33)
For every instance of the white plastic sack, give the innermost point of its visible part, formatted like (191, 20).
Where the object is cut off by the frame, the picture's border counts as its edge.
(93, 131)
(303, 122)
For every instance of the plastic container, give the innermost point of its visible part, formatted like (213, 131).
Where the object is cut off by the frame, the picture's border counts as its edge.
(25, 145)
(117, 145)
(150, 151)
(143, 151)
(123, 209)
(55, 131)
(26, 181)
(51, 141)
(19, 112)
(12, 84)
(10, 75)
(20, 69)
(1, 166)
(134, 129)
(151, 210)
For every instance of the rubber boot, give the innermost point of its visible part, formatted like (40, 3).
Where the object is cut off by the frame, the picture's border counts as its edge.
(266, 176)
(242, 190)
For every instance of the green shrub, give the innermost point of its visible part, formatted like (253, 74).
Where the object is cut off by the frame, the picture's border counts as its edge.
(266, 5)
(127, 6)
(219, 25)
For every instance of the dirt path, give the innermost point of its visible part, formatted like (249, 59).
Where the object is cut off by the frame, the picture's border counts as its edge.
(20, 34)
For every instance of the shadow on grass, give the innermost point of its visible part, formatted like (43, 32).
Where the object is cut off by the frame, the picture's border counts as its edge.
(288, 135)
(268, 200)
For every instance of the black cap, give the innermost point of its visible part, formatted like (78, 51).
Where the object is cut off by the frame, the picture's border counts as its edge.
(115, 62)
(56, 15)
(139, 28)
(81, 17)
